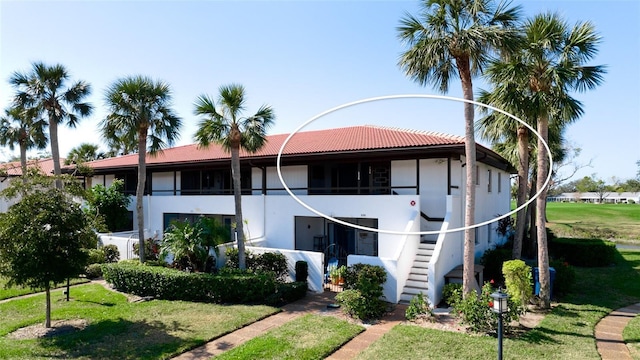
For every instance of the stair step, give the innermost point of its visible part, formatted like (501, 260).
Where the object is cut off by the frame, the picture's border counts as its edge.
(421, 284)
(423, 258)
(425, 252)
(418, 277)
(421, 271)
(414, 290)
(427, 246)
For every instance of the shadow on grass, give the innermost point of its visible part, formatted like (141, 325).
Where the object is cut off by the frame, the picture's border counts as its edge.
(118, 339)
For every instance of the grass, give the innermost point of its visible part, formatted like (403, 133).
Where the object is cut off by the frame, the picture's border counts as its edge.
(605, 221)
(118, 329)
(631, 336)
(567, 331)
(10, 292)
(305, 338)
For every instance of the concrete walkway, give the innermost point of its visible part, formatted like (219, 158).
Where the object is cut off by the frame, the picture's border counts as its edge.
(608, 333)
(311, 304)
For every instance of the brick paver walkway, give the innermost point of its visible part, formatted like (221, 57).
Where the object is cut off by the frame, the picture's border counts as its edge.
(608, 333)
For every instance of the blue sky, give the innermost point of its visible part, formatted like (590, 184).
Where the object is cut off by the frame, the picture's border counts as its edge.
(302, 58)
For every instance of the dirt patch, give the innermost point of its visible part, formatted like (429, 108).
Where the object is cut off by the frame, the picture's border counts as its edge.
(57, 328)
(447, 322)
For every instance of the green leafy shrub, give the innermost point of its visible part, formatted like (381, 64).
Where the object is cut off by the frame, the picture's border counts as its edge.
(151, 249)
(96, 256)
(192, 244)
(93, 271)
(583, 252)
(492, 261)
(452, 293)
(274, 262)
(476, 313)
(237, 287)
(418, 307)
(111, 253)
(565, 277)
(286, 293)
(362, 297)
(518, 280)
(302, 271)
(232, 258)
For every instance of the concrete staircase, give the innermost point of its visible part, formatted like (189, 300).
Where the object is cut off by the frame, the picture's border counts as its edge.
(418, 280)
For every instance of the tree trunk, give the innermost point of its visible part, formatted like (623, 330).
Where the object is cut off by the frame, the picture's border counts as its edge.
(237, 198)
(55, 152)
(47, 317)
(142, 177)
(23, 161)
(523, 179)
(541, 202)
(531, 223)
(468, 279)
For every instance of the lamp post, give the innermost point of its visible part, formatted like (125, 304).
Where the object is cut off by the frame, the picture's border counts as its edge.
(499, 307)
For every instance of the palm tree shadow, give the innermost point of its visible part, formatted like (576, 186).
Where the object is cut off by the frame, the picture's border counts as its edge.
(118, 339)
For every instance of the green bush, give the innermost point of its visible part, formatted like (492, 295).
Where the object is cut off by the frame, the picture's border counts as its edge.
(286, 293)
(583, 252)
(476, 311)
(111, 253)
(418, 307)
(273, 262)
(362, 297)
(151, 249)
(492, 261)
(96, 256)
(93, 271)
(452, 293)
(238, 287)
(232, 258)
(565, 277)
(518, 280)
(302, 271)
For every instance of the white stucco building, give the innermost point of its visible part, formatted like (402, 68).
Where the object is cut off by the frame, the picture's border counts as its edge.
(381, 178)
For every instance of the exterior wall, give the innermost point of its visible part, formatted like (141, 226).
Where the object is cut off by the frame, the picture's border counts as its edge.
(294, 176)
(403, 173)
(163, 183)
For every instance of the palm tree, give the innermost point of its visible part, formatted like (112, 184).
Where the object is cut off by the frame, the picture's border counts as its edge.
(226, 126)
(20, 126)
(140, 118)
(456, 38)
(82, 153)
(549, 65)
(44, 89)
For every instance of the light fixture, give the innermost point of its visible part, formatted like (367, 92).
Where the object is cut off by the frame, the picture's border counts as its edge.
(500, 307)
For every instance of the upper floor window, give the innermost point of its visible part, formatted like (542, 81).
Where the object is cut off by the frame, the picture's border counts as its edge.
(499, 182)
(215, 182)
(350, 178)
(489, 184)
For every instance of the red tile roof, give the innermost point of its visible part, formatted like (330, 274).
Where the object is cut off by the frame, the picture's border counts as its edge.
(46, 166)
(346, 139)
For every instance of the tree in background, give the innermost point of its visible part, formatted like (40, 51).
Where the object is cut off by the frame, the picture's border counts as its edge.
(449, 39)
(110, 203)
(224, 124)
(45, 90)
(140, 118)
(42, 238)
(22, 127)
(83, 153)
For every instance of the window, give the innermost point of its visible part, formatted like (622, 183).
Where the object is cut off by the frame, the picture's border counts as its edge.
(489, 180)
(213, 182)
(477, 175)
(131, 182)
(499, 182)
(350, 178)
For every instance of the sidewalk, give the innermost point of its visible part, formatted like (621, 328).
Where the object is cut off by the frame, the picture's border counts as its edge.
(311, 304)
(608, 333)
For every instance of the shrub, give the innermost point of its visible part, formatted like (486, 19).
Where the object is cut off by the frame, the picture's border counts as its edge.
(452, 293)
(302, 271)
(232, 258)
(286, 293)
(418, 307)
(111, 253)
(565, 277)
(476, 312)
(151, 249)
(93, 271)
(518, 280)
(583, 252)
(273, 262)
(237, 287)
(492, 261)
(96, 256)
(362, 297)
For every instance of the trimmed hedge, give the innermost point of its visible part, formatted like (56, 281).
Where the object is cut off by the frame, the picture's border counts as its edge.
(583, 252)
(170, 284)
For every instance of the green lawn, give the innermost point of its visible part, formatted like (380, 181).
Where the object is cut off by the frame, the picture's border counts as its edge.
(606, 221)
(308, 337)
(565, 333)
(6, 293)
(119, 329)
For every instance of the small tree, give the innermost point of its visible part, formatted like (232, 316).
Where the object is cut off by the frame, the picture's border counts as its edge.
(41, 242)
(110, 203)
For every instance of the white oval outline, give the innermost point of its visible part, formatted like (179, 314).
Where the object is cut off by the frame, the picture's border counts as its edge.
(409, 96)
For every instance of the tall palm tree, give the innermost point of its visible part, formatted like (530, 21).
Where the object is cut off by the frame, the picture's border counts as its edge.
(83, 153)
(224, 124)
(45, 90)
(140, 118)
(22, 127)
(456, 38)
(548, 67)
